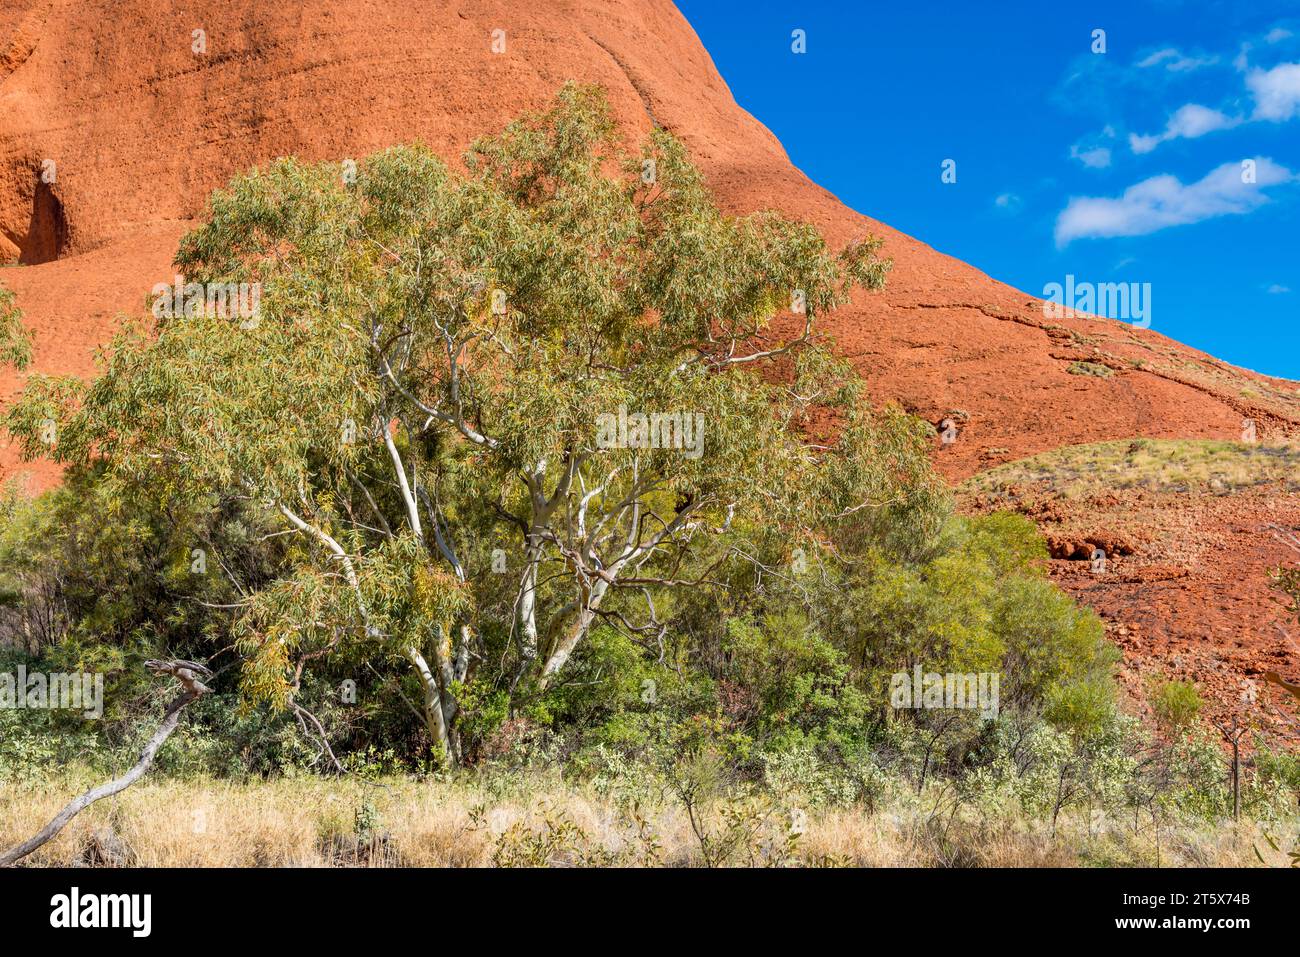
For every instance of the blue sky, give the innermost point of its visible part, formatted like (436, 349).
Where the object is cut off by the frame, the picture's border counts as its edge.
(1122, 166)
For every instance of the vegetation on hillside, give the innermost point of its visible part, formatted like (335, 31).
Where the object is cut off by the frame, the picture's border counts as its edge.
(1154, 464)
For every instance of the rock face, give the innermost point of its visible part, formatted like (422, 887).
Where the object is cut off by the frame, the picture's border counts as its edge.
(133, 116)
(118, 117)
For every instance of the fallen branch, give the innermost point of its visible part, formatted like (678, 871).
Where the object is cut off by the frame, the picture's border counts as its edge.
(1274, 678)
(170, 720)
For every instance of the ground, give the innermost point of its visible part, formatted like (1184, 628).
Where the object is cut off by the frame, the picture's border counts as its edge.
(533, 821)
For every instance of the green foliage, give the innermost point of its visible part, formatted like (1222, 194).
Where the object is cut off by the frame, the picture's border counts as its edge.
(976, 600)
(821, 777)
(1175, 704)
(398, 477)
(791, 687)
(1083, 709)
(89, 562)
(1274, 790)
(35, 743)
(429, 377)
(15, 338)
(1046, 769)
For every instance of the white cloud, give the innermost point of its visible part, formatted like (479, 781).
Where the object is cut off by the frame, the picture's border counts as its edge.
(1007, 201)
(1277, 35)
(1091, 152)
(1189, 122)
(1194, 120)
(1175, 62)
(1163, 201)
(1157, 57)
(1276, 92)
(1277, 289)
(1098, 157)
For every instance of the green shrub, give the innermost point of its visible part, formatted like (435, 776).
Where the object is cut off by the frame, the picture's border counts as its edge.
(797, 688)
(1175, 704)
(1090, 368)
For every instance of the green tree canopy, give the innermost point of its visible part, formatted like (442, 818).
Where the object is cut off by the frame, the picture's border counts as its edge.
(489, 409)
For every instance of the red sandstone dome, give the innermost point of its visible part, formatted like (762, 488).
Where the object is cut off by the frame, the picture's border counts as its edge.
(139, 108)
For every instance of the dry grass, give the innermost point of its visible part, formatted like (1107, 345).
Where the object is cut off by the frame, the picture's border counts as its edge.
(1090, 368)
(313, 822)
(1154, 464)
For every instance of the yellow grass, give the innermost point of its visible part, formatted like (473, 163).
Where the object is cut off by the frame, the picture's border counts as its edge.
(1155, 464)
(313, 822)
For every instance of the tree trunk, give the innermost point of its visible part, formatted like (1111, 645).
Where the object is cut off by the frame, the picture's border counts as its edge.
(434, 717)
(170, 720)
(565, 646)
(1236, 779)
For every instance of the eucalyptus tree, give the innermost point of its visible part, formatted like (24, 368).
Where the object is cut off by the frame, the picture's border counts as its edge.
(15, 338)
(512, 400)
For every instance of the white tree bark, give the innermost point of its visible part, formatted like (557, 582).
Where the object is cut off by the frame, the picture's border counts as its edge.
(434, 717)
(75, 807)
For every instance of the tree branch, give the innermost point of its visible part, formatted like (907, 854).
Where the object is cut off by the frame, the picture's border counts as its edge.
(75, 807)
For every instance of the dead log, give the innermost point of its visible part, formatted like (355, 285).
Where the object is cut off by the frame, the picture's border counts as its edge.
(169, 723)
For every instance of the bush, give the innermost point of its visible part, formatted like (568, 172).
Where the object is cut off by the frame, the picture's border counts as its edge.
(1090, 368)
(797, 688)
(1175, 704)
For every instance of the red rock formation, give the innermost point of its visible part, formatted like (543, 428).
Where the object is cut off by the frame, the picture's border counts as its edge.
(141, 128)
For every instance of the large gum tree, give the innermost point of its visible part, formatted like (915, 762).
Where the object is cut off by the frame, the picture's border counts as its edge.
(438, 402)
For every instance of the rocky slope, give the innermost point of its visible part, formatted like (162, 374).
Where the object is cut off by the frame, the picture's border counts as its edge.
(1192, 531)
